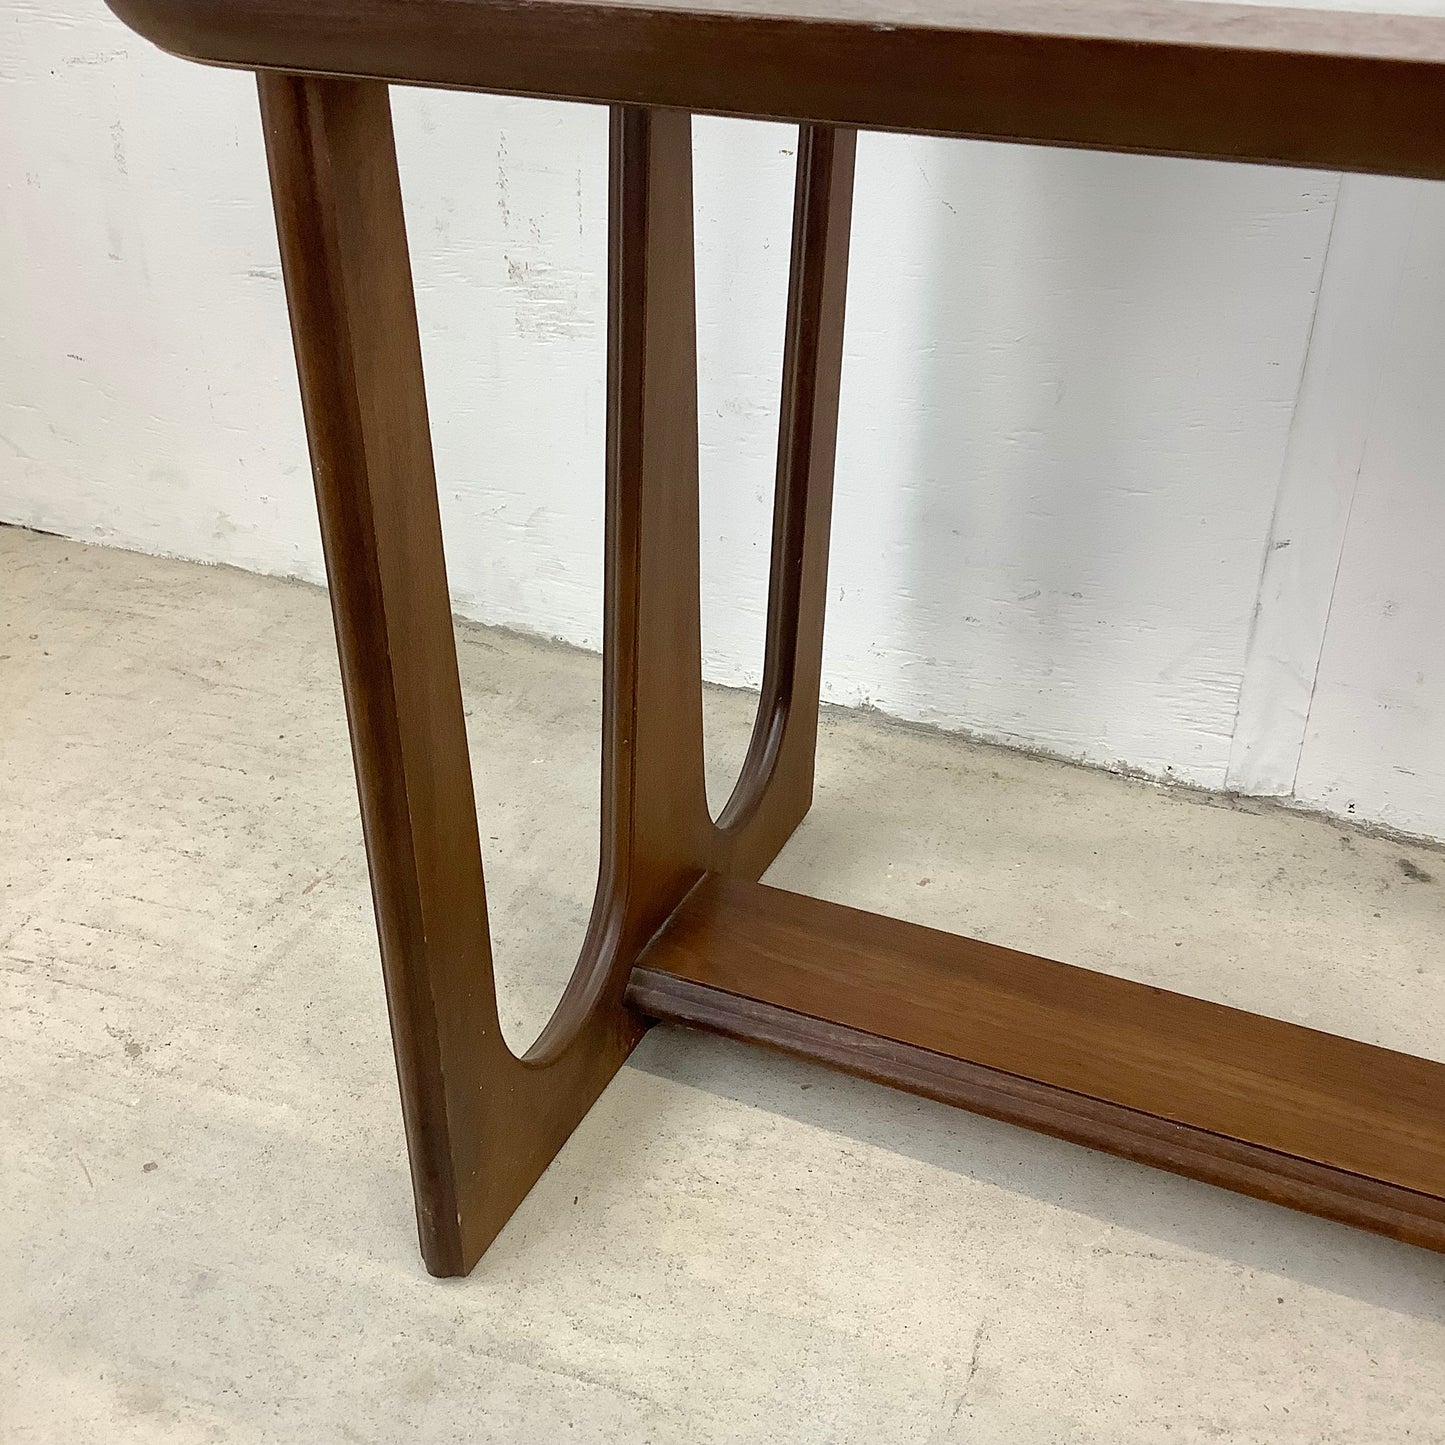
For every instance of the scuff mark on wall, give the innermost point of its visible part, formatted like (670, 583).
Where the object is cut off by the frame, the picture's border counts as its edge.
(548, 302)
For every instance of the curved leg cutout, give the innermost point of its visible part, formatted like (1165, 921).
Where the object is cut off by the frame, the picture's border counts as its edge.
(481, 1123)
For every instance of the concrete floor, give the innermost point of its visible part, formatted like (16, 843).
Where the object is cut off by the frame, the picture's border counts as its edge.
(205, 1208)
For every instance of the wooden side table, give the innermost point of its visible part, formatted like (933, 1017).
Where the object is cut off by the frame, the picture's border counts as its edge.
(681, 928)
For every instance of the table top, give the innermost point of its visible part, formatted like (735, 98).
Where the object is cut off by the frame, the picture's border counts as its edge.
(1344, 84)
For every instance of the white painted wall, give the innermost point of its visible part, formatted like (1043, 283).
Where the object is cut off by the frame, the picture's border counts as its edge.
(1077, 419)
(1373, 744)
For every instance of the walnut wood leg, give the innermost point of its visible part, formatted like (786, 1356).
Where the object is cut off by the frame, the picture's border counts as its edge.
(481, 1123)
(775, 785)
(656, 825)
(348, 284)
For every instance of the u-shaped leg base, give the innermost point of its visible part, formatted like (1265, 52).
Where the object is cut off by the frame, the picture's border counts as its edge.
(481, 1123)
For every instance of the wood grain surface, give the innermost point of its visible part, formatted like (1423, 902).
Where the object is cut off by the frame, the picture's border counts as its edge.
(1328, 1124)
(1340, 90)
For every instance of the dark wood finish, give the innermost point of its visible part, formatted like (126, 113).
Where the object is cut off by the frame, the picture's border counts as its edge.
(775, 784)
(1328, 1125)
(1261, 83)
(1401, 1214)
(348, 282)
(481, 1123)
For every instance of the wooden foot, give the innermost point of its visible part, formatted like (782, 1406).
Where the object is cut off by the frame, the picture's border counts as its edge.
(481, 1123)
